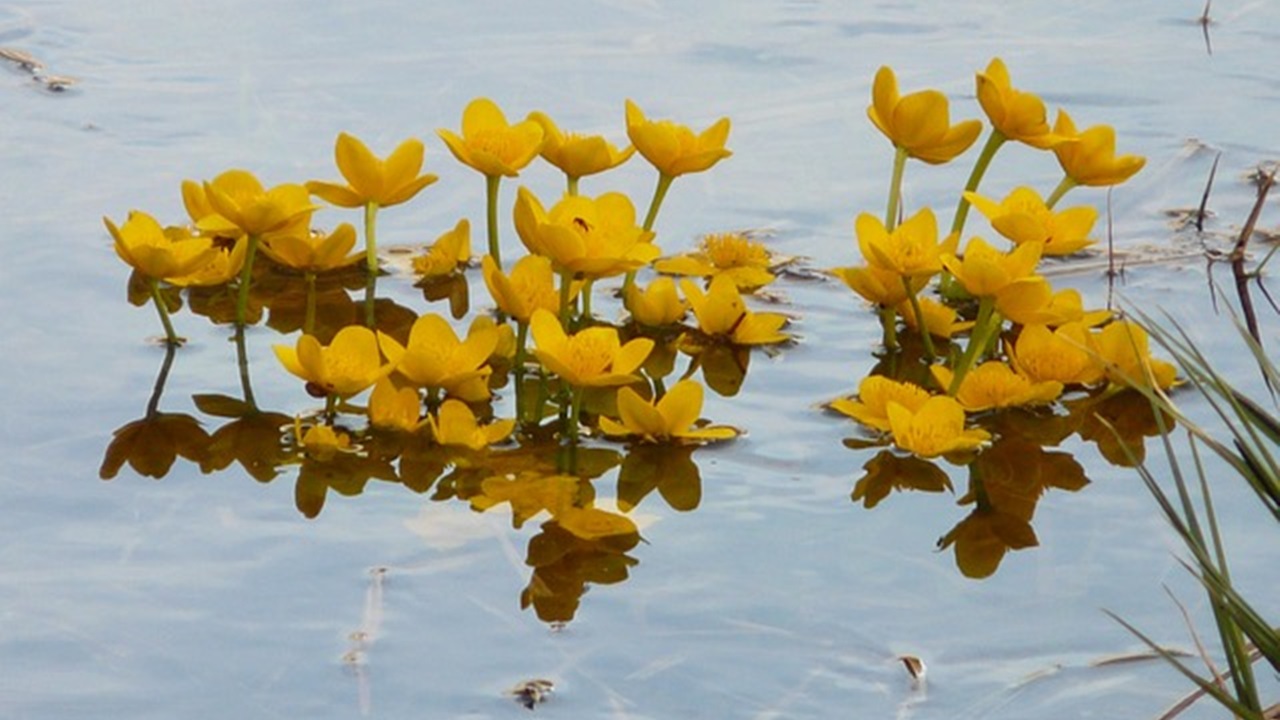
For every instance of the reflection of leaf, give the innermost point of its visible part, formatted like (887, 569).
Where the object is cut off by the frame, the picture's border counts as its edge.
(668, 468)
(887, 472)
(253, 441)
(452, 286)
(152, 444)
(334, 310)
(1038, 426)
(531, 493)
(982, 539)
(222, 405)
(1130, 418)
(724, 368)
(590, 523)
(858, 443)
(346, 473)
(564, 564)
(139, 292)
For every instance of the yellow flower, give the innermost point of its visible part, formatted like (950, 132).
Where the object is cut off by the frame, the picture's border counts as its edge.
(454, 424)
(1024, 218)
(490, 144)
(1092, 159)
(222, 268)
(435, 358)
(242, 206)
(591, 358)
(588, 238)
(1017, 114)
(722, 314)
(673, 148)
(448, 252)
(1065, 355)
(936, 428)
(878, 285)
(911, 250)
(939, 319)
(313, 251)
(531, 285)
(734, 254)
(1035, 303)
(994, 385)
(346, 367)
(671, 418)
(919, 123)
(143, 244)
(392, 408)
(371, 179)
(1124, 351)
(986, 272)
(658, 305)
(875, 392)
(578, 155)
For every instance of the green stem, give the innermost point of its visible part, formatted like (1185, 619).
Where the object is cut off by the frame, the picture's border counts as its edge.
(371, 236)
(659, 193)
(585, 294)
(572, 185)
(491, 204)
(330, 406)
(889, 321)
(170, 337)
(1066, 184)
(988, 319)
(566, 282)
(895, 188)
(246, 277)
(575, 410)
(242, 360)
(994, 141)
(309, 320)
(153, 405)
(522, 336)
(370, 293)
(921, 327)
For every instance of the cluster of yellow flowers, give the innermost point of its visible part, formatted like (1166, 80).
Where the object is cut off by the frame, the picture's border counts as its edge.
(1026, 343)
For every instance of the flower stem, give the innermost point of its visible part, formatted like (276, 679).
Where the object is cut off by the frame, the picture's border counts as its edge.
(988, 321)
(889, 321)
(309, 320)
(246, 277)
(575, 409)
(370, 298)
(585, 293)
(330, 406)
(517, 370)
(659, 193)
(994, 141)
(170, 337)
(921, 326)
(566, 314)
(371, 236)
(895, 188)
(242, 360)
(491, 203)
(1066, 184)
(153, 404)
(572, 182)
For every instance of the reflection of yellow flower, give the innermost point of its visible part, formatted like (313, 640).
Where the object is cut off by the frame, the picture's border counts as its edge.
(529, 286)
(450, 250)
(673, 148)
(1063, 355)
(939, 319)
(242, 205)
(587, 237)
(994, 385)
(1017, 114)
(143, 244)
(875, 392)
(314, 252)
(722, 314)
(152, 444)
(986, 272)
(371, 179)
(346, 367)
(529, 494)
(1124, 350)
(919, 123)
(878, 285)
(734, 254)
(593, 523)
(910, 250)
(658, 305)
(591, 358)
(1024, 218)
(392, 408)
(435, 358)
(490, 144)
(671, 418)
(936, 428)
(455, 424)
(578, 155)
(1092, 159)
(321, 442)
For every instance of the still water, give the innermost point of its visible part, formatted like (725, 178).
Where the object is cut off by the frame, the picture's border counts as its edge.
(762, 591)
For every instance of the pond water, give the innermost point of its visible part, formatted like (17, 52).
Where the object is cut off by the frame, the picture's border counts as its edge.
(762, 591)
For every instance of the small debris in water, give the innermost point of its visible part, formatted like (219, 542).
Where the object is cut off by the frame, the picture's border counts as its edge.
(915, 667)
(55, 83)
(23, 59)
(530, 693)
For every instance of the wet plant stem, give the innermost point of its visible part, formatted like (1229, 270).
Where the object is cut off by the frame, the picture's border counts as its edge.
(242, 360)
(491, 183)
(889, 322)
(170, 337)
(153, 404)
(921, 326)
(987, 323)
(246, 277)
(517, 370)
(659, 194)
(371, 236)
(575, 411)
(330, 407)
(585, 294)
(370, 297)
(566, 310)
(994, 141)
(895, 188)
(572, 185)
(1064, 186)
(309, 320)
